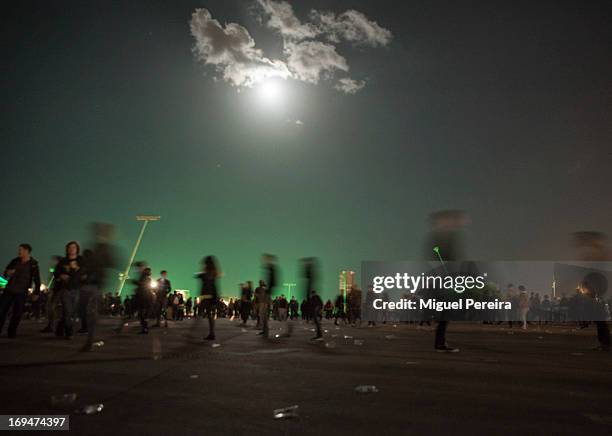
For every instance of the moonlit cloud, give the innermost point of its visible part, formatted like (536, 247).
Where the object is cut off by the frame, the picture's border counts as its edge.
(351, 26)
(349, 86)
(309, 60)
(309, 48)
(231, 49)
(281, 18)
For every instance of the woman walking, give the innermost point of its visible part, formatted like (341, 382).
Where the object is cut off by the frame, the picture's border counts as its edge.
(209, 297)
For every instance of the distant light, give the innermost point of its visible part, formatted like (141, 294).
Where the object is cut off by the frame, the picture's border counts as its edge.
(153, 284)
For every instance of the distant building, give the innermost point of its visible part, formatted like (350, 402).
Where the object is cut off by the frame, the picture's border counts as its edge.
(346, 281)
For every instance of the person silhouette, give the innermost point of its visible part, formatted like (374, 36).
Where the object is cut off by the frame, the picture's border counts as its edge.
(208, 277)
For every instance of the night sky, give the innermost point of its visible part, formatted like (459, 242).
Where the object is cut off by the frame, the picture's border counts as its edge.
(500, 108)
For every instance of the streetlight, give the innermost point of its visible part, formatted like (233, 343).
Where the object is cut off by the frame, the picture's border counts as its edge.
(289, 287)
(145, 220)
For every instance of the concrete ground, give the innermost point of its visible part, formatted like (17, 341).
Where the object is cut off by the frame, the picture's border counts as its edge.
(542, 381)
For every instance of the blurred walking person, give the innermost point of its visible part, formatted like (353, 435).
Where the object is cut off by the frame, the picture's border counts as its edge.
(260, 299)
(446, 237)
(293, 308)
(314, 301)
(270, 271)
(188, 307)
(163, 288)
(593, 247)
(98, 262)
(245, 301)
(354, 304)
(339, 311)
(316, 305)
(209, 296)
(52, 309)
(175, 300)
(143, 296)
(283, 308)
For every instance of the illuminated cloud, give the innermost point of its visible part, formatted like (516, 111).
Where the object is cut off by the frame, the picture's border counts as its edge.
(351, 26)
(349, 86)
(281, 18)
(309, 60)
(231, 49)
(309, 50)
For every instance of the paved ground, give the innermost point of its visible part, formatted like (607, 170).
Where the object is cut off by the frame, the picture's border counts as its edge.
(543, 381)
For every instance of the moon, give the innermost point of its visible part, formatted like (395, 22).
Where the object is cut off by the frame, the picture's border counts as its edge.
(271, 92)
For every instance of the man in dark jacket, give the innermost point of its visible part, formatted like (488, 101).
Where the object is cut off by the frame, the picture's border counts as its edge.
(293, 308)
(354, 305)
(339, 308)
(69, 279)
(21, 272)
(143, 296)
(245, 301)
(316, 304)
(163, 289)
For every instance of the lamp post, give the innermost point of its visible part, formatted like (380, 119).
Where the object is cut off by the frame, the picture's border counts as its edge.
(289, 287)
(145, 220)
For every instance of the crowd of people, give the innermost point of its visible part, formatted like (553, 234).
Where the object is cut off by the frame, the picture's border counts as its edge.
(75, 293)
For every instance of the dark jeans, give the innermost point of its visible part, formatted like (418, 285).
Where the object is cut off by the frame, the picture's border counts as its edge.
(264, 314)
(441, 334)
(36, 309)
(143, 314)
(355, 314)
(603, 333)
(209, 307)
(161, 310)
(317, 321)
(245, 311)
(339, 314)
(70, 300)
(17, 301)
